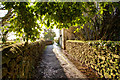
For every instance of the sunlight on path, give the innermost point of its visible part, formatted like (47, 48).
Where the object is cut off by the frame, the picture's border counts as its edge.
(70, 70)
(54, 64)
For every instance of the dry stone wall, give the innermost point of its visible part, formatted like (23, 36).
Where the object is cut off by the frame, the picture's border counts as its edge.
(105, 62)
(18, 60)
(49, 42)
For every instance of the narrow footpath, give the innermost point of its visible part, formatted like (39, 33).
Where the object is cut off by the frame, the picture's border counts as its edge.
(49, 66)
(55, 65)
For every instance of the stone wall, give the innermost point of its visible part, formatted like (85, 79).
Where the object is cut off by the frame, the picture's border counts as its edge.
(18, 60)
(49, 42)
(105, 62)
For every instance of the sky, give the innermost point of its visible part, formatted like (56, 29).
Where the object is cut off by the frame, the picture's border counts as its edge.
(3, 12)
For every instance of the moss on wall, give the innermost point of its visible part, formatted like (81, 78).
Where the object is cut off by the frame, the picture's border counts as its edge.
(102, 56)
(18, 60)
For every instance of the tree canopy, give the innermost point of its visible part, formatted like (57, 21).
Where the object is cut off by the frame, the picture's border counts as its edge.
(63, 15)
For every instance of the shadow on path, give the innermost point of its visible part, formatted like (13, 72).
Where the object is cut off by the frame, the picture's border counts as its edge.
(49, 66)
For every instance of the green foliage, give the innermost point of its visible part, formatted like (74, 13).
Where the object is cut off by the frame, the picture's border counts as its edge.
(109, 57)
(4, 33)
(65, 15)
(24, 20)
(103, 56)
(49, 34)
(99, 23)
(3, 40)
(112, 46)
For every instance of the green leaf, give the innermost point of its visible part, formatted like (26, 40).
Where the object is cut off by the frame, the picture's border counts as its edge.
(48, 23)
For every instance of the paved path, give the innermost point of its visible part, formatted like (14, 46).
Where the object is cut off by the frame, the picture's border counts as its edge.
(69, 68)
(54, 64)
(49, 66)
